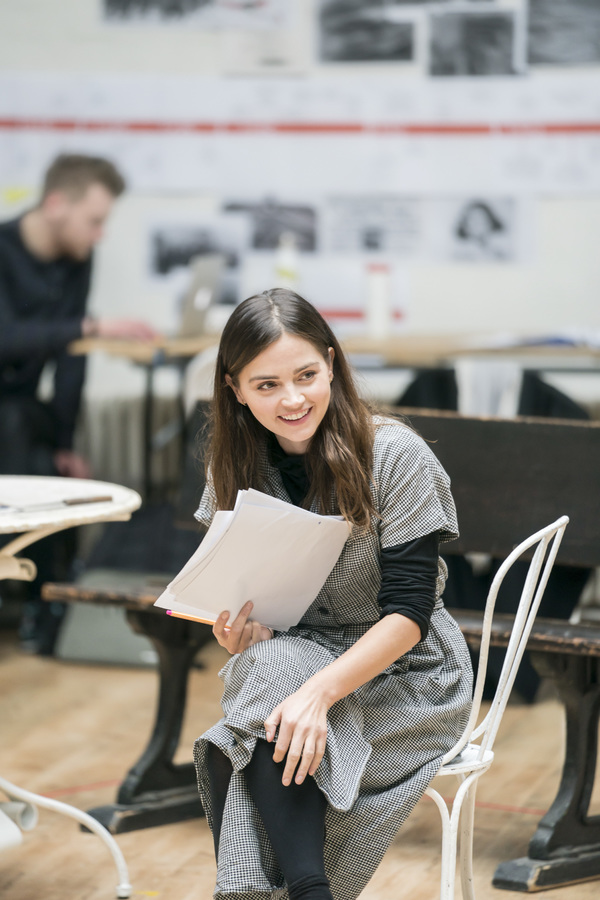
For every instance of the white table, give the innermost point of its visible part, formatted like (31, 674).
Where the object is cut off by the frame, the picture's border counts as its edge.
(18, 494)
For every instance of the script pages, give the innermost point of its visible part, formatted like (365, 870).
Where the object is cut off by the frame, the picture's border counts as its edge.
(264, 550)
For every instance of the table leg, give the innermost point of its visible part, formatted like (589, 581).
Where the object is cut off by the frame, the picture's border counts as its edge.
(566, 846)
(157, 791)
(148, 431)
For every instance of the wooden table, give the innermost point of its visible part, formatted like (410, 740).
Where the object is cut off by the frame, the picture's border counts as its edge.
(411, 351)
(151, 355)
(397, 350)
(427, 350)
(18, 496)
(145, 352)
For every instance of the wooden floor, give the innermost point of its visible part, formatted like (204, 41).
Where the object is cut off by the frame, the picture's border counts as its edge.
(70, 731)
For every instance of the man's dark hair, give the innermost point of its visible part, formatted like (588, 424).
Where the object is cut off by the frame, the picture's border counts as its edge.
(73, 174)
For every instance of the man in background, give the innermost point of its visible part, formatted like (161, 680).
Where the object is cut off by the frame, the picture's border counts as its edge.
(45, 271)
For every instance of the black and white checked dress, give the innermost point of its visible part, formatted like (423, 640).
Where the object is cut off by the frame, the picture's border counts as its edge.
(385, 740)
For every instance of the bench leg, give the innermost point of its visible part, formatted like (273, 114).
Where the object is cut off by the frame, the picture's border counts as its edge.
(566, 846)
(157, 791)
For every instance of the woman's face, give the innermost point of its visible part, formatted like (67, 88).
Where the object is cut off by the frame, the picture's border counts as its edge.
(287, 389)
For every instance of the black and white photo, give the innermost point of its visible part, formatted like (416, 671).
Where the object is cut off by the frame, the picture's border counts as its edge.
(473, 43)
(199, 13)
(271, 218)
(359, 31)
(376, 225)
(480, 229)
(174, 247)
(564, 32)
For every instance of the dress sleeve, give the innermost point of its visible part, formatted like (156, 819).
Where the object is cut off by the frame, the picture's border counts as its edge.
(208, 504)
(411, 487)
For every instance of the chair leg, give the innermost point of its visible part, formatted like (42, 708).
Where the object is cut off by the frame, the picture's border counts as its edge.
(449, 842)
(462, 813)
(466, 843)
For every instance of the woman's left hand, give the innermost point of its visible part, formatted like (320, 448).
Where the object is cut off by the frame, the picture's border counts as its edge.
(302, 722)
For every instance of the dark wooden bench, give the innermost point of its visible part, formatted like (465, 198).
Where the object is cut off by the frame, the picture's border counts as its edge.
(509, 478)
(156, 790)
(566, 845)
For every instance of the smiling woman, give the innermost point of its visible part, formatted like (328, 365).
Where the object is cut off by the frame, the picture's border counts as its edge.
(345, 717)
(279, 356)
(292, 401)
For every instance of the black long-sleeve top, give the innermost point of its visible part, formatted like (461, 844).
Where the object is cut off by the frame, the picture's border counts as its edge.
(42, 305)
(409, 571)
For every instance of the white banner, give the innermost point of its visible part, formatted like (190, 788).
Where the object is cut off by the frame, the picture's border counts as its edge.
(318, 135)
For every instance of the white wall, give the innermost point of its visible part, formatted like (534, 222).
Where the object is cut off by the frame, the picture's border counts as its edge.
(558, 289)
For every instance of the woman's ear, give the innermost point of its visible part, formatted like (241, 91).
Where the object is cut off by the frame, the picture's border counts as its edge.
(331, 352)
(236, 391)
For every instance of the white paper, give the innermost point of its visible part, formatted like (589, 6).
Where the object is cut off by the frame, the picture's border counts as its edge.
(264, 550)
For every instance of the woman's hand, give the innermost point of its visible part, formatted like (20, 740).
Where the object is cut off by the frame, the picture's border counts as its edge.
(242, 633)
(302, 722)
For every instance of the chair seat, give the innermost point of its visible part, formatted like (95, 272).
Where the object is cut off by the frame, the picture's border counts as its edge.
(468, 760)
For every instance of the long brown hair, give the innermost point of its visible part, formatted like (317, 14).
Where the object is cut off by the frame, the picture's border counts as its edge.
(340, 455)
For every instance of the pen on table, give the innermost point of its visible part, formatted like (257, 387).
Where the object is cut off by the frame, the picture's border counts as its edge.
(177, 615)
(57, 504)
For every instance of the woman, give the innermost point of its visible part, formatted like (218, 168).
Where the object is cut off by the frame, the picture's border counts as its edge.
(332, 730)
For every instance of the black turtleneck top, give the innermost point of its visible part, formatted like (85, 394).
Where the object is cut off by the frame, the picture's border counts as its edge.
(408, 571)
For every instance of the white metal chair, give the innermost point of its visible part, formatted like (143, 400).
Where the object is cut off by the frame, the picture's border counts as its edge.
(23, 810)
(467, 760)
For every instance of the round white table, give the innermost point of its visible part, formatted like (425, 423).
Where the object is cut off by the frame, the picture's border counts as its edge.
(34, 507)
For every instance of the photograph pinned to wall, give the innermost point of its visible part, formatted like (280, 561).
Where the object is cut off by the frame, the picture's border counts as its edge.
(433, 229)
(362, 31)
(373, 224)
(338, 286)
(225, 14)
(480, 38)
(271, 218)
(481, 229)
(564, 32)
(283, 48)
(174, 248)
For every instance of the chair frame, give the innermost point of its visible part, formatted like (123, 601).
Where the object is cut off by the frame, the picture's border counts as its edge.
(467, 760)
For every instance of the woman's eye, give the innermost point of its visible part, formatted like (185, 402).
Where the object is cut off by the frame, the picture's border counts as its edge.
(308, 375)
(266, 385)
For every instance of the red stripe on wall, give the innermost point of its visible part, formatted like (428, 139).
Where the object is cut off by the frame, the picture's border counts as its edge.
(314, 128)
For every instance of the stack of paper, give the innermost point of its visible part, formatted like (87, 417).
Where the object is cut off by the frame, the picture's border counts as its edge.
(264, 550)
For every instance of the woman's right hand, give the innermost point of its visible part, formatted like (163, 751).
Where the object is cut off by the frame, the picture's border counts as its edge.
(243, 631)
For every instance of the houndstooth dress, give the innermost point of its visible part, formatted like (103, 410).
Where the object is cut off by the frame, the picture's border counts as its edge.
(386, 739)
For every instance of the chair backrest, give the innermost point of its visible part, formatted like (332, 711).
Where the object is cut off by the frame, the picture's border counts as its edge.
(544, 546)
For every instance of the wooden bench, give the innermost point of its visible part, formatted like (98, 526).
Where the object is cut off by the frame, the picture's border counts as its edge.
(509, 478)
(156, 790)
(566, 845)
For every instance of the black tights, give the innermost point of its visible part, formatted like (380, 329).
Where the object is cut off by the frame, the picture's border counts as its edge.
(293, 816)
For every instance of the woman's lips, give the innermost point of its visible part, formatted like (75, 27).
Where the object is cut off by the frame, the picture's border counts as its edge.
(296, 421)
